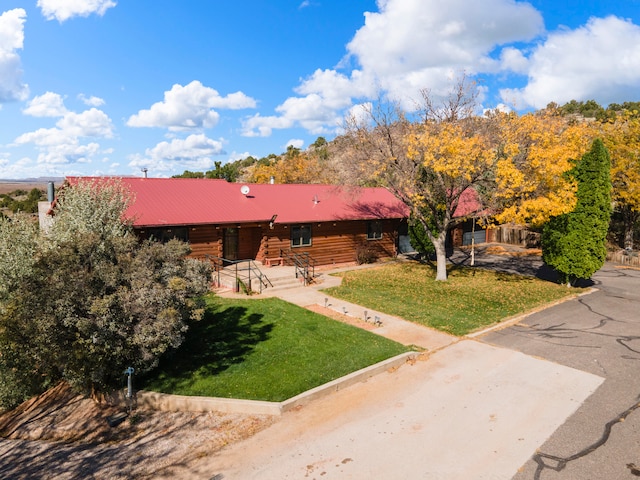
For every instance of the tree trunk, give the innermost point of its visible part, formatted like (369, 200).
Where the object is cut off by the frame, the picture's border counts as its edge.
(630, 217)
(441, 257)
(628, 237)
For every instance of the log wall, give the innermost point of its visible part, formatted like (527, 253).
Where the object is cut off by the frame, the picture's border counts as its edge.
(331, 242)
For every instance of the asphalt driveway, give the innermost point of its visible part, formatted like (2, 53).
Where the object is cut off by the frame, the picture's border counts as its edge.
(597, 333)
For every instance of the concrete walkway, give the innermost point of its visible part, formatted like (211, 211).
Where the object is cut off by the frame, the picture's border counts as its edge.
(392, 327)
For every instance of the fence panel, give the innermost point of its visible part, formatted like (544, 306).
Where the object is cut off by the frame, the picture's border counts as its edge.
(514, 235)
(624, 258)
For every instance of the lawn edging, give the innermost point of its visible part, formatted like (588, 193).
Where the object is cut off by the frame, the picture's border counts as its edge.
(182, 403)
(508, 322)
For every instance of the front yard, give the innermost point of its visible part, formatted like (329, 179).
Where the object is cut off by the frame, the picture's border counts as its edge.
(265, 349)
(268, 349)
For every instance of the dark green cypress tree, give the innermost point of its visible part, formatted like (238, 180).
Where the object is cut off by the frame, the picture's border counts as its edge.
(573, 244)
(419, 239)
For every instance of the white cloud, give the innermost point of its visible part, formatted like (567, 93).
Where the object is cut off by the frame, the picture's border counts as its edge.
(189, 107)
(62, 144)
(91, 101)
(360, 113)
(600, 60)
(411, 43)
(193, 152)
(233, 156)
(12, 39)
(22, 168)
(512, 59)
(90, 123)
(407, 46)
(48, 104)
(311, 112)
(62, 10)
(259, 126)
(325, 95)
(295, 143)
(44, 137)
(501, 107)
(69, 153)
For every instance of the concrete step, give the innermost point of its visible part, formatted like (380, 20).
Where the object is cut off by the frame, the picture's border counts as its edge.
(277, 280)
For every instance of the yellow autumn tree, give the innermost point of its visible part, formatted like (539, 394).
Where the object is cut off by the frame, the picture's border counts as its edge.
(262, 173)
(450, 158)
(622, 139)
(534, 153)
(428, 164)
(296, 166)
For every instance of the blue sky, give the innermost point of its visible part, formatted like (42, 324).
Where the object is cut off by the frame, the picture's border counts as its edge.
(97, 87)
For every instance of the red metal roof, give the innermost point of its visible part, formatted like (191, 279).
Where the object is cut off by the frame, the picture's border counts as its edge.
(191, 201)
(469, 204)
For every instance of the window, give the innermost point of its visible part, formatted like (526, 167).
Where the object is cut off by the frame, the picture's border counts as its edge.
(163, 235)
(301, 236)
(374, 230)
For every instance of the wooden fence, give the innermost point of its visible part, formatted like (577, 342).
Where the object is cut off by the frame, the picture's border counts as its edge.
(624, 258)
(513, 235)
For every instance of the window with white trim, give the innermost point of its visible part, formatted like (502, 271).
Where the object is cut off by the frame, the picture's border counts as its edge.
(301, 236)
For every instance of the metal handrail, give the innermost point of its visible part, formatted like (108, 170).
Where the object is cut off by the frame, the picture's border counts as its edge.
(221, 265)
(303, 262)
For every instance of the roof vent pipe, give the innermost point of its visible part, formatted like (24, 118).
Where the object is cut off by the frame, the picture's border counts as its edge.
(272, 180)
(50, 192)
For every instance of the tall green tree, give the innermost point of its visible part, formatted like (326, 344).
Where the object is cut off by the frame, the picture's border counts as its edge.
(88, 300)
(573, 244)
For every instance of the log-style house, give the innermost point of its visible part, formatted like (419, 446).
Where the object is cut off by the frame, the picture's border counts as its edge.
(263, 222)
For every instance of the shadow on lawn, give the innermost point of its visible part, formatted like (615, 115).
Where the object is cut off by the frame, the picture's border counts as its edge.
(222, 338)
(531, 266)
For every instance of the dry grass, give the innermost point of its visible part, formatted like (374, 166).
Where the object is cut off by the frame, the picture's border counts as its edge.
(8, 187)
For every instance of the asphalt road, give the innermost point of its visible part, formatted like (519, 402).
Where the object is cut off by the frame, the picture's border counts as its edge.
(597, 333)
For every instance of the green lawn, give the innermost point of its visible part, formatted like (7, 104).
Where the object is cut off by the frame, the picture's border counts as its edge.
(265, 349)
(469, 299)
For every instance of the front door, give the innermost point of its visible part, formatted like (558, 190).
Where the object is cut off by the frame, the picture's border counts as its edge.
(230, 245)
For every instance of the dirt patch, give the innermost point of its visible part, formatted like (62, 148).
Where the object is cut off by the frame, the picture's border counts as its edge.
(512, 251)
(327, 312)
(61, 421)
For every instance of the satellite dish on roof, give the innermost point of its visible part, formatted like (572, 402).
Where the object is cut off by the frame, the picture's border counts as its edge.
(244, 189)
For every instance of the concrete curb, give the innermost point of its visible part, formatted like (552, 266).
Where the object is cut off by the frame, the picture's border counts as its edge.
(181, 403)
(518, 318)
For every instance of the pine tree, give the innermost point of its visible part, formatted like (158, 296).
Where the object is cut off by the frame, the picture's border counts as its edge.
(573, 244)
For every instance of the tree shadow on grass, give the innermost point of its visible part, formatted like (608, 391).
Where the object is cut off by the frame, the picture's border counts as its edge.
(547, 273)
(222, 338)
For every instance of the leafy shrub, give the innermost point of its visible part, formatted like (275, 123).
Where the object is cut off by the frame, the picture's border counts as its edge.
(365, 255)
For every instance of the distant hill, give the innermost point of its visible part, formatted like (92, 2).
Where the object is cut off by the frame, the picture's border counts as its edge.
(8, 186)
(33, 180)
